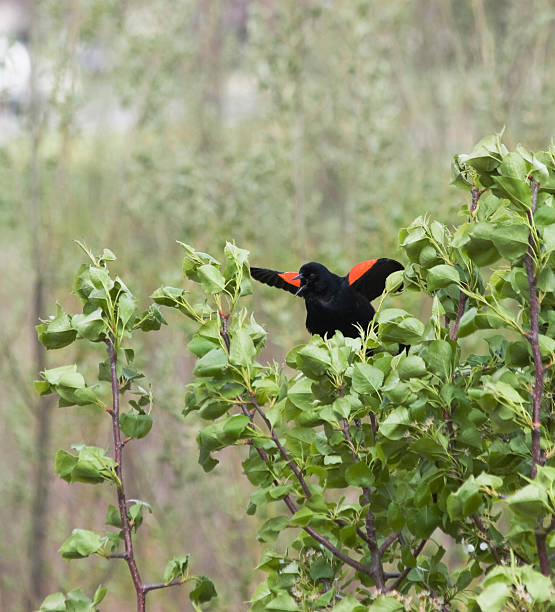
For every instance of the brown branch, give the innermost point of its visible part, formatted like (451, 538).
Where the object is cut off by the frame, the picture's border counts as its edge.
(339, 554)
(463, 298)
(224, 318)
(453, 332)
(372, 538)
(162, 585)
(264, 456)
(533, 337)
(483, 529)
(406, 571)
(542, 552)
(283, 452)
(118, 446)
(312, 532)
(389, 541)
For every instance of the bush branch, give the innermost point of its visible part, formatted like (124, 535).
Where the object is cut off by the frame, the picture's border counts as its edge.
(162, 585)
(533, 337)
(371, 536)
(118, 447)
(283, 452)
(406, 571)
(463, 298)
(484, 531)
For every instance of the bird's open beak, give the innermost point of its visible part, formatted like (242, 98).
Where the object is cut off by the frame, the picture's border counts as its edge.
(301, 288)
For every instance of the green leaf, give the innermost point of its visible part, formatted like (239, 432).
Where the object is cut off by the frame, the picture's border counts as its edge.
(271, 529)
(538, 586)
(313, 360)
(176, 568)
(212, 364)
(113, 516)
(395, 425)
(219, 435)
(107, 255)
(91, 326)
(66, 376)
(242, 348)
(485, 156)
(493, 597)
(168, 296)
(530, 500)
(465, 500)
(549, 238)
(100, 278)
(135, 425)
(412, 366)
(127, 308)
(283, 602)
(547, 346)
(211, 278)
(439, 357)
(151, 320)
(42, 387)
(91, 465)
(509, 239)
(442, 276)
(99, 595)
(58, 332)
(367, 379)
(515, 189)
(303, 517)
(204, 590)
(385, 603)
(80, 544)
(423, 521)
(359, 475)
(407, 330)
(55, 602)
(394, 281)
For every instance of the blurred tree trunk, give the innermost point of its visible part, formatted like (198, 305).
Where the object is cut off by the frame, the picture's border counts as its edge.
(211, 38)
(40, 477)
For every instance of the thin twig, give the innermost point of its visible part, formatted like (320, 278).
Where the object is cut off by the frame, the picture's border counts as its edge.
(162, 585)
(463, 298)
(389, 541)
(287, 499)
(372, 538)
(483, 529)
(118, 447)
(283, 452)
(533, 337)
(406, 571)
(312, 532)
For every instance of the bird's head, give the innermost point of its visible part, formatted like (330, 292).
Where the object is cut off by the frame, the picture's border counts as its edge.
(315, 279)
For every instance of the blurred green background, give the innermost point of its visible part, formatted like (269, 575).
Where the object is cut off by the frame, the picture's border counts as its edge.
(300, 129)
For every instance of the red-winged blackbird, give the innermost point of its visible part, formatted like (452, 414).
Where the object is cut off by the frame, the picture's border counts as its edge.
(334, 302)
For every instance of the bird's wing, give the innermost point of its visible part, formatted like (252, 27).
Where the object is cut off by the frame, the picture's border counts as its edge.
(368, 277)
(282, 280)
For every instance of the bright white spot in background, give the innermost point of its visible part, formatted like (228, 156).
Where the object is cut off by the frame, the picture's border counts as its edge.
(15, 67)
(483, 546)
(470, 548)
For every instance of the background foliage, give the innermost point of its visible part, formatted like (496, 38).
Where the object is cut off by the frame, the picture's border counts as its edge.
(150, 122)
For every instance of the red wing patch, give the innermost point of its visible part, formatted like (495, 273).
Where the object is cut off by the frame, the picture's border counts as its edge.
(288, 278)
(359, 270)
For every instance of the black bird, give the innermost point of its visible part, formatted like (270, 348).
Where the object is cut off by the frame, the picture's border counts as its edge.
(334, 302)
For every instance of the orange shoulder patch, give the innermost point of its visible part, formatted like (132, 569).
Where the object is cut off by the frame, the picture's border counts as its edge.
(288, 278)
(360, 269)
